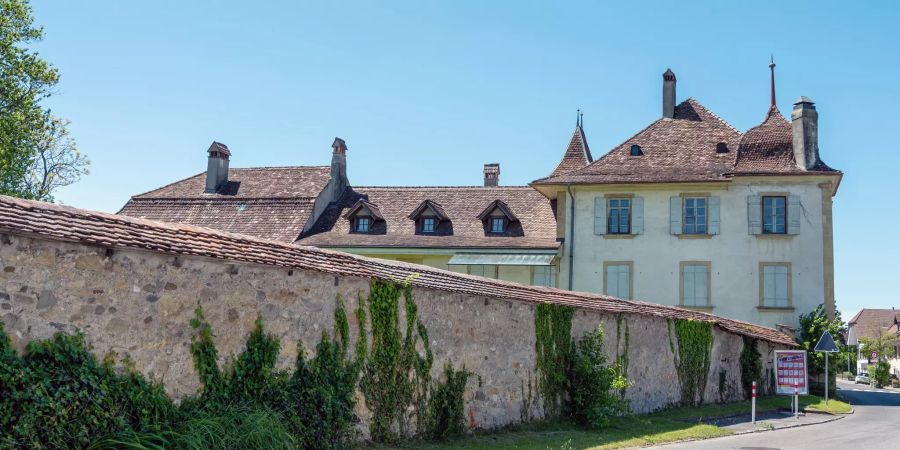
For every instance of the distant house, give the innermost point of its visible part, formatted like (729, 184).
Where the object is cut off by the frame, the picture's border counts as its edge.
(692, 212)
(503, 232)
(870, 324)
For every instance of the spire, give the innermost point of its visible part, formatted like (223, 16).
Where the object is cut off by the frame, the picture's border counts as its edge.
(772, 68)
(577, 154)
(578, 116)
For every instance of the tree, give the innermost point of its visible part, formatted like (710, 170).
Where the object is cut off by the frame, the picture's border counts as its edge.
(882, 344)
(29, 135)
(812, 326)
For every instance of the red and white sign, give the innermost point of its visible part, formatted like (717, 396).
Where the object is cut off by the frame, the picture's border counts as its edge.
(790, 372)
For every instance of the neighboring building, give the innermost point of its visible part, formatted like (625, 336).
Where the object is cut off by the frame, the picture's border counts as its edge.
(872, 324)
(692, 212)
(504, 232)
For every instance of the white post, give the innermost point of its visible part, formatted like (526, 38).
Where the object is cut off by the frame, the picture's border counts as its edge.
(796, 401)
(753, 405)
(826, 378)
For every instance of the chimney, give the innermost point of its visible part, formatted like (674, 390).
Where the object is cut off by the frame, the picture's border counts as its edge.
(339, 180)
(217, 167)
(805, 123)
(669, 94)
(491, 175)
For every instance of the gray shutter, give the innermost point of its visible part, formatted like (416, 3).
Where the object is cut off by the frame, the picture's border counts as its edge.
(675, 215)
(599, 215)
(637, 215)
(754, 214)
(713, 212)
(793, 214)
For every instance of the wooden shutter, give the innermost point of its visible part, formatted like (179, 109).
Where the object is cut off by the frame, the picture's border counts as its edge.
(637, 215)
(675, 215)
(754, 214)
(713, 212)
(793, 214)
(599, 215)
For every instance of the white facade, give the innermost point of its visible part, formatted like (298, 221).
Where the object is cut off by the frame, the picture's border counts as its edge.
(734, 255)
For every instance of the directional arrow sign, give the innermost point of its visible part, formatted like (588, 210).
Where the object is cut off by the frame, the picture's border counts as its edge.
(826, 344)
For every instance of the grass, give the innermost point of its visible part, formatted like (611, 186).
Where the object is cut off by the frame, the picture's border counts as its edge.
(672, 425)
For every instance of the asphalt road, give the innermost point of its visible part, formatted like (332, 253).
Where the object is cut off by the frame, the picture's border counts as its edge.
(875, 425)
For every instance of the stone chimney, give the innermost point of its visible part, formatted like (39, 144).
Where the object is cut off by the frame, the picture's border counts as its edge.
(339, 180)
(668, 94)
(805, 123)
(217, 167)
(491, 175)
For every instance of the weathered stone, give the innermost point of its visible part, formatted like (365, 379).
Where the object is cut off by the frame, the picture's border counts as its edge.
(232, 315)
(150, 288)
(9, 269)
(5, 306)
(171, 286)
(100, 309)
(117, 326)
(148, 319)
(4, 296)
(152, 298)
(46, 300)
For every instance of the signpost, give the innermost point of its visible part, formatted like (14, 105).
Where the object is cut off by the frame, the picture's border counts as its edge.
(791, 375)
(826, 345)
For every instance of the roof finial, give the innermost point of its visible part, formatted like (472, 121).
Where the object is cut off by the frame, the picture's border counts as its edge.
(578, 117)
(772, 68)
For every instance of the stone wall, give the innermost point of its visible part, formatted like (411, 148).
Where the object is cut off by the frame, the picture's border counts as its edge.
(140, 303)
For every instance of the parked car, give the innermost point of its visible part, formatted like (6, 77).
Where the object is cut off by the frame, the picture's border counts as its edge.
(862, 378)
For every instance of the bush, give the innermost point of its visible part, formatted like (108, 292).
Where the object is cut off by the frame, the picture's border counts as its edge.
(446, 410)
(594, 384)
(751, 366)
(880, 373)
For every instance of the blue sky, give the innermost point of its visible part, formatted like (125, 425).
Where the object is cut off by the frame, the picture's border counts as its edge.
(426, 92)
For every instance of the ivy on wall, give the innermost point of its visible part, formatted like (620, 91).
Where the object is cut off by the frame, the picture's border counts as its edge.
(751, 366)
(692, 358)
(622, 357)
(553, 347)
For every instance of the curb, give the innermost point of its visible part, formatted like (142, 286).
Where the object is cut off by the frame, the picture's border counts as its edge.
(798, 425)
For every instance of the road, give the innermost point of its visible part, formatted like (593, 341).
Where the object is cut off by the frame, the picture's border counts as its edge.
(875, 425)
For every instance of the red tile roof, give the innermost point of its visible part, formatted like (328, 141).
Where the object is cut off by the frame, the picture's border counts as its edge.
(768, 148)
(535, 229)
(867, 322)
(48, 221)
(577, 155)
(266, 202)
(682, 149)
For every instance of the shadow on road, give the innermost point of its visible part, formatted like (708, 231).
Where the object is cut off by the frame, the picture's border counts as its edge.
(866, 396)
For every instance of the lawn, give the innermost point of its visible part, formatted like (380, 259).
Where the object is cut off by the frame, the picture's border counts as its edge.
(670, 425)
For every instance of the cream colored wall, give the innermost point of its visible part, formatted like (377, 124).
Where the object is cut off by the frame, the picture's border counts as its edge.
(734, 254)
(518, 274)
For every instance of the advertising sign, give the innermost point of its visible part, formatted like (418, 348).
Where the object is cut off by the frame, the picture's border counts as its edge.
(790, 368)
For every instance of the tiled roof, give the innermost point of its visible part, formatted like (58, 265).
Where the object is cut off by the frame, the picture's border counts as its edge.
(64, 223)
(577, 155)
(682, 149)
(266, 202)
(536, 229)
(768, 148)
(867, 322)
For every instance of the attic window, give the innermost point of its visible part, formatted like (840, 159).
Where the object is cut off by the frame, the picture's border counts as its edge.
(242, 206)
(362, 224)
(721, 147)
(636, 150)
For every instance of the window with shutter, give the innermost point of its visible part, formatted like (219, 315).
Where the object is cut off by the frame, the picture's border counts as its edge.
(774, 215)
(775, 285)
(617, 279)
(754, 214)
(793, 214)
(618, 216)
(675, 226)
(695, 215)
(599, 215)
(714, 203)
(695, 283)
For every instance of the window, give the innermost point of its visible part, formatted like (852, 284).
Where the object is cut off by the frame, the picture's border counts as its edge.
(774, 215)
(695, 283)
(428, 224)
(695, 215)
(483, 270)
(636, 150)
(544, 276)
(775, 285)
(498, 224)
(617, 279)
(362, 224)
(618, 216)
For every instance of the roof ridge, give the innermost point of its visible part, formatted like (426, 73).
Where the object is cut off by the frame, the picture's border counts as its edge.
(159, 189)
(697, 103)
(280, 167)
(66, 223)
(443, 187)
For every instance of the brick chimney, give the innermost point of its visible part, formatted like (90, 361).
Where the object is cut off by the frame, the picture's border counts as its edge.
(805, 123)
(668, 94)
(491, 175)
(339, 180)
(216, 167)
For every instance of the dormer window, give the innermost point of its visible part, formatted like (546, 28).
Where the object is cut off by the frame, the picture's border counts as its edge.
(363, 224)
(636, 150)
(721, 147)
(429, 224)
(498, 224)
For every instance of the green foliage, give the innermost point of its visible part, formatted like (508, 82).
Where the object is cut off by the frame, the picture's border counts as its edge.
(553, 347)
(206, 357)
(395, 375)
(594, 384)
(446, 410)
(693, 358)
(880, 373)
(58, 395)
(29, 135)
(812, 326)
(751, 366)
(254, 371)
